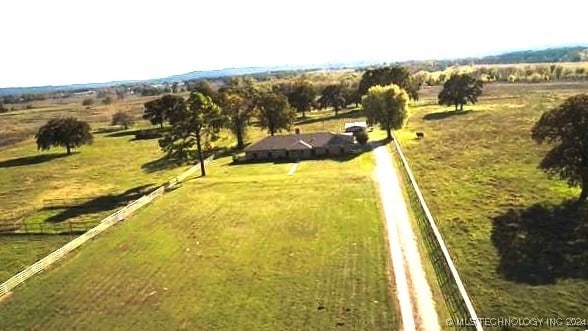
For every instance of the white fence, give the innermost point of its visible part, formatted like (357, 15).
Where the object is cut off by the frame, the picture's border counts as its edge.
(106, 223)
(450, 281)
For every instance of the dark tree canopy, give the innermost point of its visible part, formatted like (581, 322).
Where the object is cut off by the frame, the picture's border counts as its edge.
(275, 113)
(301, 96)
(386, 105)
(238, 111)
(566, 127)
(122, 118)
(459, 90)
(65, 132)
(333, 96)
(158, 110)
(389, 75)
(193, 124)
(204, 87)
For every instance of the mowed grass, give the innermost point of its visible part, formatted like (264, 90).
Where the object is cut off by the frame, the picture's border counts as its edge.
(245, 248)
(51, 187)
(474, 167)
(20, 251)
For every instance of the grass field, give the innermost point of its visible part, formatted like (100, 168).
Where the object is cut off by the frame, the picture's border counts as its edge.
(248, 247)
(45, 188)
(518, 251)
(20, 251)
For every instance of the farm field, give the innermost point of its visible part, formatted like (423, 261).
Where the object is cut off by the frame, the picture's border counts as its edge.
(48, 190)
(247, 246)
(518, 250)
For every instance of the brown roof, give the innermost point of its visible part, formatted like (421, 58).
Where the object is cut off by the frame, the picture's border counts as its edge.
(301, 141)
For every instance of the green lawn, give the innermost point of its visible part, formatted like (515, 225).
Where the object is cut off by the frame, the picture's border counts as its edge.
(473, 167)
(20, 251)
(248, 248)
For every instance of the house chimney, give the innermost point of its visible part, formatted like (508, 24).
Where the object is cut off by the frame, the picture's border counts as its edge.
(297, 130)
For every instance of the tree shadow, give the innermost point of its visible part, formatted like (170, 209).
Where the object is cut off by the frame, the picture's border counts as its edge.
(542, 243)
(445, 114)
(124, 133)
(163, 163)
(354, 113)
(98, 204)
(30, 160)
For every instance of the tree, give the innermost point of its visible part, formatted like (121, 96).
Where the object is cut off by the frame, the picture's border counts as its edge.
(204, 87)
(122, 118)
(194, 123)
(66, 132)
(158, 110)
(275, 113)
(2, 109)
(301, 96)
(237, 110)
(566, 126)
(350, 92)
(332, 95)
(459, 90)
(121, 93)
(389, 75)
(386, 105)
(239, 99)
(87, 102)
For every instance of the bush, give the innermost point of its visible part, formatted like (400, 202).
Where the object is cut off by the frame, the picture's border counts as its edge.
(88, 102)
(122, 118)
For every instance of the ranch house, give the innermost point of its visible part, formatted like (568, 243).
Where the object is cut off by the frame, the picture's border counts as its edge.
(301, 146)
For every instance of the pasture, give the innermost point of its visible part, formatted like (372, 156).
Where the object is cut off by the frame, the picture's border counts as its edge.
(518, 248)
(247, 247)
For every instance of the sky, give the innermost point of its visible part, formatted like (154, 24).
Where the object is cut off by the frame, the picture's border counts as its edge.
(64, 42)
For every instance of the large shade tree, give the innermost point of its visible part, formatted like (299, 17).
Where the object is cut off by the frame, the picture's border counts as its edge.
(387, 106)
(389, 75)
(566, 127)
(275, 113)
(460, 90)
(301, 96)
(65, 132)
(159, 110)
(239, 100)
(237, 110)
(333, 96)
(193, 125)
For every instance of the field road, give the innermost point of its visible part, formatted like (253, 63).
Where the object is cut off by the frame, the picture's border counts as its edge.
(417, 307)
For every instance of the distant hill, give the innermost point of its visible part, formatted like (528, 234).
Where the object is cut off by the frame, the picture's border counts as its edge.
(561, 54)
(194, 75)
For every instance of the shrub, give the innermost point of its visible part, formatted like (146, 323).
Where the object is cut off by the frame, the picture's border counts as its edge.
(122, 118)
(88, 102)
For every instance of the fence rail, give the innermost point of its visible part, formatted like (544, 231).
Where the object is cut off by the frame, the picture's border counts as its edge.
(452, 288)
(104, 224)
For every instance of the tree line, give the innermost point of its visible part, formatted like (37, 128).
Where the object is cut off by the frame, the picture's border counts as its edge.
(197, 120)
